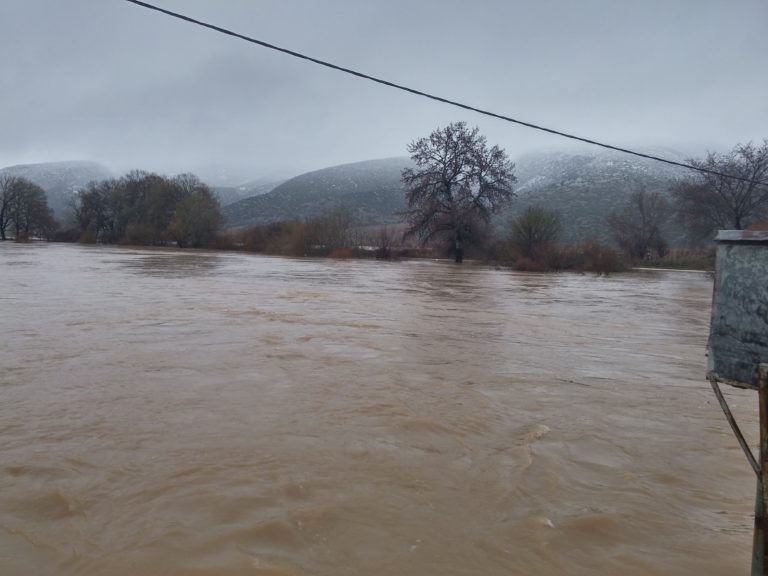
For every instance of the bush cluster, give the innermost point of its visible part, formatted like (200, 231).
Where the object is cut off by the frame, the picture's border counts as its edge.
(590, 256)
(147, 209)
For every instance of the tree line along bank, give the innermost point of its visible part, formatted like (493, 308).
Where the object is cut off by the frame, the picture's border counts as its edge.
(458, 183)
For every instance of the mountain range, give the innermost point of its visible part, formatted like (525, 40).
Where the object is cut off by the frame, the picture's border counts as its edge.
(583, 186)
(371, 190)
(231, 194)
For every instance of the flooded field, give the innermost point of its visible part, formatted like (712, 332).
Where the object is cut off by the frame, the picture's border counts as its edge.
(177, 413)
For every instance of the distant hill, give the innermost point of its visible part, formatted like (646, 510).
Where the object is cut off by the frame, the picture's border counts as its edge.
(231, 194)
(372, 190)
(59, 180)
(583, 187)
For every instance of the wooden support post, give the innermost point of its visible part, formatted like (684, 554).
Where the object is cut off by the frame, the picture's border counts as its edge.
(760, 542)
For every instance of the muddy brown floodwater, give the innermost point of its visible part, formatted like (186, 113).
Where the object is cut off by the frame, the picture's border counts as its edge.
(176, 413)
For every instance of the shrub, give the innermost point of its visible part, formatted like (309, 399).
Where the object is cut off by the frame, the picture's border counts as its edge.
(524, 264)
(586, 257)
(343, 253)
(229, 240)
(601, 259)
(534, 232)
(66, 235)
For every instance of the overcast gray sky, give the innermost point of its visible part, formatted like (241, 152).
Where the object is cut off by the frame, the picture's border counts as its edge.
(108, 81)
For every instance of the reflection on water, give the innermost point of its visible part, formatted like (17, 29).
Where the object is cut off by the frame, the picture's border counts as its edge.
(205, 413)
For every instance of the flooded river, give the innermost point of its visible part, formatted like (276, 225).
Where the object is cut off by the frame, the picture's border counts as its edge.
(178, 413)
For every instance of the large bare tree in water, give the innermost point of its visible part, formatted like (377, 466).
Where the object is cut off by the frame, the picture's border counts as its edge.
(457, 184)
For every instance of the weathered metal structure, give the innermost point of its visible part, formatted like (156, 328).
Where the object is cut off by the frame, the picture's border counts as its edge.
(737, 351)
(738, 336)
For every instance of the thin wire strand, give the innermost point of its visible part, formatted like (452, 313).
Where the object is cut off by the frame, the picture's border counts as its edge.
(437, 98)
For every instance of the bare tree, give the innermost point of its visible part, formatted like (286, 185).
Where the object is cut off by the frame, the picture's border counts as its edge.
(638, 228)
(708, 202)
(196, 219)
(458, 183)
(332, 230)
(25, 206)
(9, 186)
(96, 209)
(384, 241)
(534, 232)
(188, 184)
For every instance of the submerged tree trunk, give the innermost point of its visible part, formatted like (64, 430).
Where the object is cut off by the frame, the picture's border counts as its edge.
(458, 248)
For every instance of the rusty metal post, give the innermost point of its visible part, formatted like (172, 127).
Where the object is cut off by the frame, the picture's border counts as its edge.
(760, 542)
(735, 427)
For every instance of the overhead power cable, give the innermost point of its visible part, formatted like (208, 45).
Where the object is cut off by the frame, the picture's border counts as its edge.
(434, 97)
